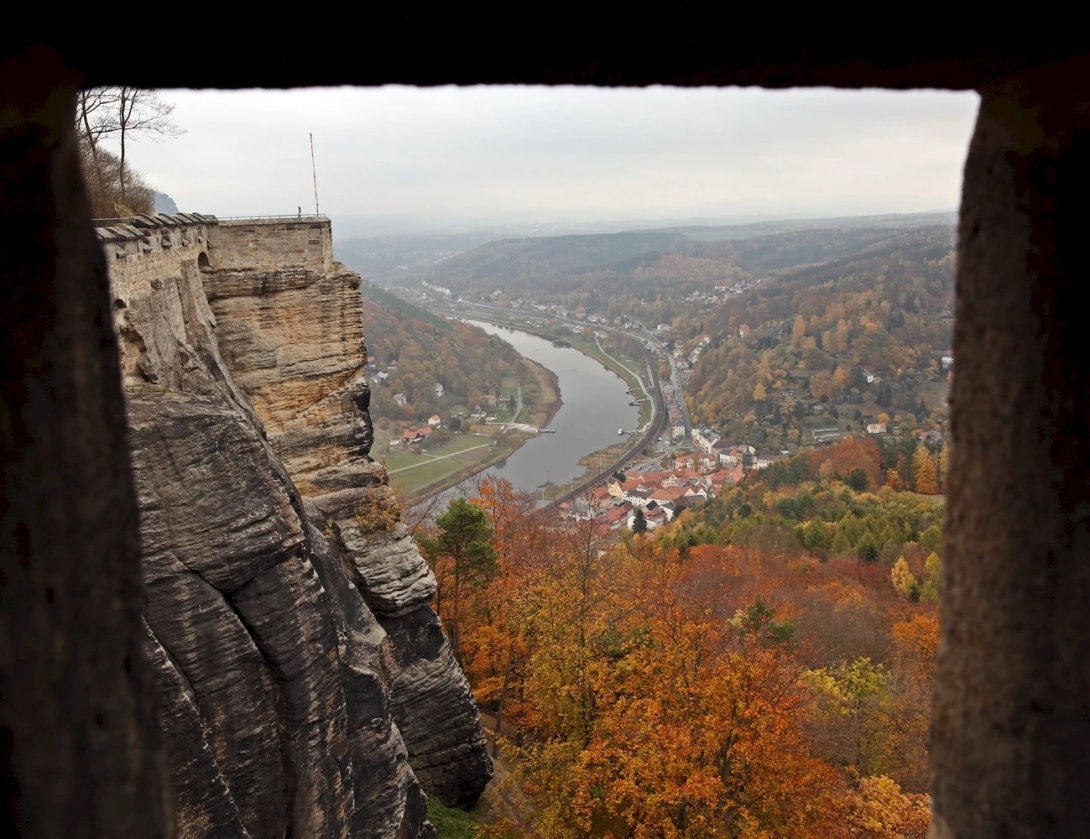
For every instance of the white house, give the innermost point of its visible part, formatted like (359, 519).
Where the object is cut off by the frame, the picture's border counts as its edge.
(438, 389)
(400, 399)
(435, 421)
(637, 497)
(705, 439)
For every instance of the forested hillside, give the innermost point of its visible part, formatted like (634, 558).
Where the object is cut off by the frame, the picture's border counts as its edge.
(861, 336)
(678, 277)
(412, 351)
(762, 667)
(512, 263)
(393, 258)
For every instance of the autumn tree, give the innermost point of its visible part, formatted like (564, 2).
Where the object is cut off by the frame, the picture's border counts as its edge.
(855, 712)
(798, 331)
(496, 645)
(698, 732)
(881, 810)
(923, 464)
(462, 559)
(929, 588)
(904, 581)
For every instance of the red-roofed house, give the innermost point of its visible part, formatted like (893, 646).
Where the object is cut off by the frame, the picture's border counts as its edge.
(615, 517)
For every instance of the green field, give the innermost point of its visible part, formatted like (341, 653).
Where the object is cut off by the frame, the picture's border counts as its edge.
(416, 480)
(398, 458)
(466, 453)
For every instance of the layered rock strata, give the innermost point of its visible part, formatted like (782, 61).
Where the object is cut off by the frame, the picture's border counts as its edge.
(305, 686)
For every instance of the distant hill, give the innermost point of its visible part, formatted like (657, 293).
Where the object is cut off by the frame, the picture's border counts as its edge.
(165, 204)
(511, 262)
(395, 258)
(766, 228)
(383, 299)
(580, 270)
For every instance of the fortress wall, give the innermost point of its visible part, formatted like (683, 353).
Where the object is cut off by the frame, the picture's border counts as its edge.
(271, 244)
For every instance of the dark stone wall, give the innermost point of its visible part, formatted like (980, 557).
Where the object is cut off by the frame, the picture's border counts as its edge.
(77, 726)
(1011, 724)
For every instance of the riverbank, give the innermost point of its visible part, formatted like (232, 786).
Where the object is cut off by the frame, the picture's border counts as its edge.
(587, 346)
(447, 470)
(596, 401)
(550, 395)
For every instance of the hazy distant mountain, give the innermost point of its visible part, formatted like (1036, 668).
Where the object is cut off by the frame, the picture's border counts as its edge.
(518, 259)
(165, 204)
(395, 258)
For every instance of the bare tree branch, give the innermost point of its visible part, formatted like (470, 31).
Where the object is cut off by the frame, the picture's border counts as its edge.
(121, 113)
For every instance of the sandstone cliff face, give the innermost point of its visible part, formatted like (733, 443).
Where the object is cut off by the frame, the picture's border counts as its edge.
(306, 688)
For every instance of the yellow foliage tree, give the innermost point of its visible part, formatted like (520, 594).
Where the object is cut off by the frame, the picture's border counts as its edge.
(798, 331)
(923, 467)
(883, 811)
(904, 581)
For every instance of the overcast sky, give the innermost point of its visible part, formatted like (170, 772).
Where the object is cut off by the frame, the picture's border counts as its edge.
(473, 155)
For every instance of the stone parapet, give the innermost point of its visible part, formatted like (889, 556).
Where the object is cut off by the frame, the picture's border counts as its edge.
(273, 243)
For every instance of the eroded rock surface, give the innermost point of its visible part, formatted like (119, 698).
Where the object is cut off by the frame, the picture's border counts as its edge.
(302, 676)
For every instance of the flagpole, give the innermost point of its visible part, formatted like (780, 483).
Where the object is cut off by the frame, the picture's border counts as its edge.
(314, 175)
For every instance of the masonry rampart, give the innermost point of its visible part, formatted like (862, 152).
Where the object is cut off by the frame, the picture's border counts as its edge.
(170, 259)
(273, 244)
(145, 249)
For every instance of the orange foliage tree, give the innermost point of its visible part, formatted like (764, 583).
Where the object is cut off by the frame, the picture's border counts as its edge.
(844, 458)
(715, 691)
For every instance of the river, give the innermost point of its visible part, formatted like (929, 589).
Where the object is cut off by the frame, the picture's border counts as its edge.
(595, 405)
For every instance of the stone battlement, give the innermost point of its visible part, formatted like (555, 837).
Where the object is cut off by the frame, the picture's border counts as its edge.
(162, 242)
(146, 250)
(273, 243)
(141, 236)
(171, 258)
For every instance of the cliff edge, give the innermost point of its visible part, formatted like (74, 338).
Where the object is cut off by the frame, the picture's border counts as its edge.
(305, 686)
